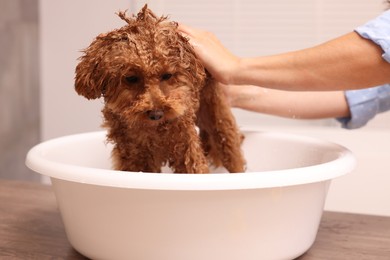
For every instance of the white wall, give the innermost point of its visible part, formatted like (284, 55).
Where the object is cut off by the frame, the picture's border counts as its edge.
(248, 28)
(66, 28)
(367, 189)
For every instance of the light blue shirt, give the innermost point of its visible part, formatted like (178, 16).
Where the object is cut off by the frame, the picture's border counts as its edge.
(364, 104)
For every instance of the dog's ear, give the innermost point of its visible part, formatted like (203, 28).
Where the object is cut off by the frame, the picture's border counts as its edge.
(89, 80)
(196, 68)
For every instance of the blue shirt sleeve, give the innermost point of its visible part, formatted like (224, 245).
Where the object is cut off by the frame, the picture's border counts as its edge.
(364, 104)
(378, 31)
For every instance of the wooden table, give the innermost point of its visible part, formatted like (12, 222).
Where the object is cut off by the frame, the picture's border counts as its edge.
(31, 228)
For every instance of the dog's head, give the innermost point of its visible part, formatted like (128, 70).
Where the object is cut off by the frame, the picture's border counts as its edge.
(146, 71)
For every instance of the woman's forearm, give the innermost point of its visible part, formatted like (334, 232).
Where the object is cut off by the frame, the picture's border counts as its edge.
(289, 104)
(348, 62)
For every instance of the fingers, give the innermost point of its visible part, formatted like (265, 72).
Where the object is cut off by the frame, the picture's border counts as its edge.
(184, 29)
(218, 60)
(193, 35)
(188, 32)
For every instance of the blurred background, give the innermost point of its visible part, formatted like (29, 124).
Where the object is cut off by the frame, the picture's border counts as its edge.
(41, 40)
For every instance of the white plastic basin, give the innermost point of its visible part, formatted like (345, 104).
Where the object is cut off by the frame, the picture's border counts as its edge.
(270, 212)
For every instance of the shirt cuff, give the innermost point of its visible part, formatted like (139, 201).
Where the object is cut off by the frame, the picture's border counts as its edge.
(378, 31)
(363, 106)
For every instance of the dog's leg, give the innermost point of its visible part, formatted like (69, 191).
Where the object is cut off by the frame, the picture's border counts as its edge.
(130, 152)
(220, 135)
(136, 161)
(188, 155)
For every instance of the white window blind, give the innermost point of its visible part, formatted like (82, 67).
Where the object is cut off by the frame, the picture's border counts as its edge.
(260, 27)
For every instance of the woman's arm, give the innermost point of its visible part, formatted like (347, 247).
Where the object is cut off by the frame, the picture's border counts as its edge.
(347, 62)
(289, 104)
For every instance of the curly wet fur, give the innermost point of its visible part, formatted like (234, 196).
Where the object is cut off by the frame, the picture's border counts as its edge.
(156, 91)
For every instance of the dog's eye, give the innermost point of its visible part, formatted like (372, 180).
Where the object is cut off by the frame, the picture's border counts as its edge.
(132, 79)
(166, 76)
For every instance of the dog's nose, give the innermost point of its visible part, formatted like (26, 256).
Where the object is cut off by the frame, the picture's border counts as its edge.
(155, 114)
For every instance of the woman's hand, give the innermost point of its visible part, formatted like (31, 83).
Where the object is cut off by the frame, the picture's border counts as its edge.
(218, 60)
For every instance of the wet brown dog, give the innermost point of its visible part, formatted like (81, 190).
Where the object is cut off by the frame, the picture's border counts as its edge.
(156, 92)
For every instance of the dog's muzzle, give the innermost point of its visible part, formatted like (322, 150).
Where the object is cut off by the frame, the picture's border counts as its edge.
(155, 114)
